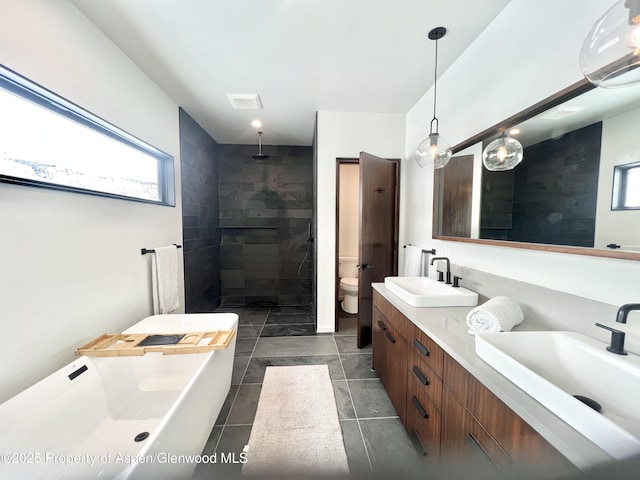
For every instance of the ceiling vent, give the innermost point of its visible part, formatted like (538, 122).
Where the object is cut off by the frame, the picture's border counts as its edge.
(245, 101)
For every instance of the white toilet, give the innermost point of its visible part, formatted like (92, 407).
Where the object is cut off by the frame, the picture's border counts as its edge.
(348, 272)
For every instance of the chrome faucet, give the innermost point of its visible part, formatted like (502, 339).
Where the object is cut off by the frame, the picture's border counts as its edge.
(448, 282)
(624, 310)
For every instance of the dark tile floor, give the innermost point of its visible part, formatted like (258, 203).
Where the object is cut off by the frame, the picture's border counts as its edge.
(374, 438)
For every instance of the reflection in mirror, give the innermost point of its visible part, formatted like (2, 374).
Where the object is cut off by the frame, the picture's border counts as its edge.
(453, 188)
(550, 198)
(563, 192)
(626, 187)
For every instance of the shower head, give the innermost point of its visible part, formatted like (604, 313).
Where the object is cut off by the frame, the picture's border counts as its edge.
(260, 156)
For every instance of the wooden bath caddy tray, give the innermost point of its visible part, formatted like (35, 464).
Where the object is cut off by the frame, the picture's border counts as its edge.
(137, 344)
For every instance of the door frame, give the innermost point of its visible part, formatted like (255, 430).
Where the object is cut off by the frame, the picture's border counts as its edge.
(396, 233)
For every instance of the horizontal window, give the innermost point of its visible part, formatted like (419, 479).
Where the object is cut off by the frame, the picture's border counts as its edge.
(47, 141)
(626, 187)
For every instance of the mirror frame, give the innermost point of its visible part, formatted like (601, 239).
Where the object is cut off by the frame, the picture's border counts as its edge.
(554, 100)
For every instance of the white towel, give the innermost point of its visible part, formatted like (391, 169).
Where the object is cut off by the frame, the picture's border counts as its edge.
(164, 278)
(413, 264)
(499, 314)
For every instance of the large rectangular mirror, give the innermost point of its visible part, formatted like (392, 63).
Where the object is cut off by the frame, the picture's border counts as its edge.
(575, 191)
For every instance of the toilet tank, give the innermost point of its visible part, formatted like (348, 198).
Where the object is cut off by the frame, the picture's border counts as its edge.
(347, 267)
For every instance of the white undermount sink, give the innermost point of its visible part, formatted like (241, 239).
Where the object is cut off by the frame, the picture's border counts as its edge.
(426, 292)
(552, 367)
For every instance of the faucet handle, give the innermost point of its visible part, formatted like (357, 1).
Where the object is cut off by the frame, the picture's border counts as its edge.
(456, 281)
(617, 340)
(440, 276)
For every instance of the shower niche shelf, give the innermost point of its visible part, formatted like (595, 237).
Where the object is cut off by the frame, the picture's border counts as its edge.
(247, 227)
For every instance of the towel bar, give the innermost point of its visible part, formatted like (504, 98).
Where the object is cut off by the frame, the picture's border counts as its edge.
(431, 252)
(144, 251)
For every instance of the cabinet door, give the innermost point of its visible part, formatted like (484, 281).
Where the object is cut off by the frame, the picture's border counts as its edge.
(389, 360)
(465, 442)
(379, 354)
(526, 448)
(392, 314)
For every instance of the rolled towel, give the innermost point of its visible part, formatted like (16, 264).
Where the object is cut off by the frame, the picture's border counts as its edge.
(499, 314)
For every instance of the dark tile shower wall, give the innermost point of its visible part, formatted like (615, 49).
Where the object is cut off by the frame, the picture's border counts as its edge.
(265, 210)
(200, 216)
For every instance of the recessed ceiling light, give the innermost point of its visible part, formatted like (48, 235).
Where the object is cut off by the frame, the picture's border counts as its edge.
(256, 123)
(245, 101)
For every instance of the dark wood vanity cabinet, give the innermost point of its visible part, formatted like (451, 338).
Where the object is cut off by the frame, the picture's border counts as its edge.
(465, 441)
(409, 365)
(449, 415)
(389, 352)
(478, 426)
(424, 391)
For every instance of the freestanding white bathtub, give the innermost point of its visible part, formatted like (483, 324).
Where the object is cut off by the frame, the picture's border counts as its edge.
(120, 417)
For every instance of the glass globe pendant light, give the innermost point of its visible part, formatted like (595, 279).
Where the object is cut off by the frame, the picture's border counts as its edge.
(434, 150)
(504, 153)
(610, 55)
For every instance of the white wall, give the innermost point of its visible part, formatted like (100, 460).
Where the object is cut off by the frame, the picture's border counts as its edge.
(619, 147)
(349, 210)
(344, 135)
(70, 264)
(529, 52)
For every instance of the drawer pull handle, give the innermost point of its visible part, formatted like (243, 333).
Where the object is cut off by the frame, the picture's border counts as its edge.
(390, 337)
(416, 403)
(483, 453)
(415, 439)
(382, 326)
(423, 350)
(421, 376)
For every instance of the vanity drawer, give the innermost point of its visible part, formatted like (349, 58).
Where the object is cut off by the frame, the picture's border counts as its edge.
(423, 380)
(392, 315)
(423, 420)
(423, 350)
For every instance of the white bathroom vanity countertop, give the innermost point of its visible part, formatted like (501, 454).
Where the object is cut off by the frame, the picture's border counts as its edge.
(448, 328)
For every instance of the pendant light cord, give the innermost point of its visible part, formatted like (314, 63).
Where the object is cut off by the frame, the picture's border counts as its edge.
(435, 91)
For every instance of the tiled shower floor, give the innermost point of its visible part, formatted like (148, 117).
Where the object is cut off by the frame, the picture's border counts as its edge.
(374, 438)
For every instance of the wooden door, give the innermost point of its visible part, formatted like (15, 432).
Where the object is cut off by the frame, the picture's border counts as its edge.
(378, 233)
